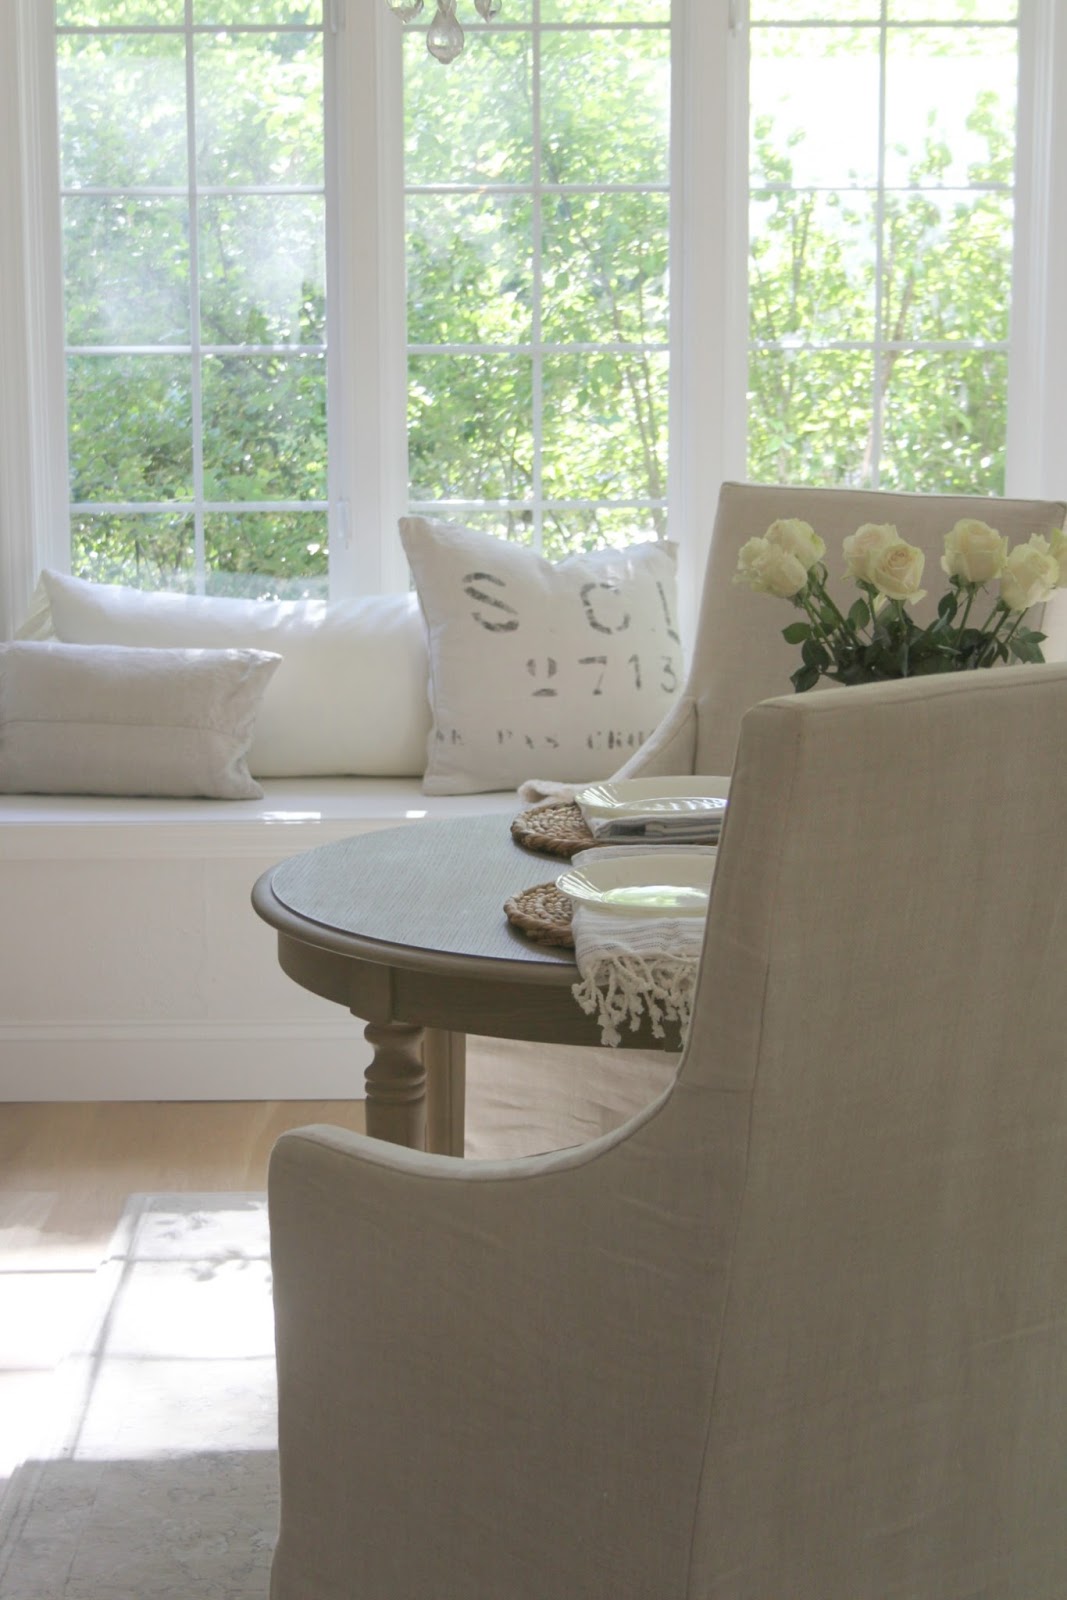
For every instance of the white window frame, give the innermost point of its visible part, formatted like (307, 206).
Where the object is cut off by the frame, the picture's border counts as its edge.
(366, 327)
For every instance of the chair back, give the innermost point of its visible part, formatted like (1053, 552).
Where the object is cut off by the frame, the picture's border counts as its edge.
(878, 1063)
(739, 655)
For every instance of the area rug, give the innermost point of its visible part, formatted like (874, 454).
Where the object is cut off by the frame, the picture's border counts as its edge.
(163, 1482)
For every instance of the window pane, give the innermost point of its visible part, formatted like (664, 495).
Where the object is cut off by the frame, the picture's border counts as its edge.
(810, 417)
(130, 420)
(815, 10)
(264, 427)
(603, 10)
(259, 108)
(953, 11)
(279, 555)
(262, 269)
(948, 266)
(950, 97)
(605, 101)
(945, 423)
(470, 427)
(253, 13)
(605, 428)
(119, 13)
(470, 267)
(812, 265)
(814, 96)
(149, 551)
(126, 266)
(483, 134)
(594, 528)
(122, 109)
(605, 261)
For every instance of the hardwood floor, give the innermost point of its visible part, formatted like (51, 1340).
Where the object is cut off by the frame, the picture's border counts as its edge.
(65, 1173)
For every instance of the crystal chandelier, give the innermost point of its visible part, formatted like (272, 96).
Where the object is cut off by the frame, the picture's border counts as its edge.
(444, 36)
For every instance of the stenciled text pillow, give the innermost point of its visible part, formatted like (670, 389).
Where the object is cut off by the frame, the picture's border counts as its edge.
(555, 670)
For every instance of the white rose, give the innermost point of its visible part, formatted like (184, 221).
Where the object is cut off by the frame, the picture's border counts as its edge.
(768, 569)
(1058, 549)
(974, 552)
(897, 571)
(747, 557)
(1031, 572)
(798, 538)
(863, 548)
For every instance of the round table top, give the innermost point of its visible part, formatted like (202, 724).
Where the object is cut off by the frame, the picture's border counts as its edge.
(428, 895)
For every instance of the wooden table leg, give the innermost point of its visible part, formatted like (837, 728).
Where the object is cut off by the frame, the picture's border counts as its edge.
(444, 1056)
(396, 1084)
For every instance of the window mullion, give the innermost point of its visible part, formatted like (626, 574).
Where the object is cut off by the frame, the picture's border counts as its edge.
(1037, 377)
(365, 332)
(878, 352)
(196, 375)
(537, 355)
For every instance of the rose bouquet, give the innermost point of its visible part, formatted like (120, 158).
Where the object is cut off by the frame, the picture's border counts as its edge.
(877, 638)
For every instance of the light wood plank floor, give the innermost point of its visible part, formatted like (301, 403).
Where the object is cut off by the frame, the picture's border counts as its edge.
(65, 1173)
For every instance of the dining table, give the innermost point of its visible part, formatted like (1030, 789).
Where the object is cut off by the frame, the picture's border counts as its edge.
(406, 927)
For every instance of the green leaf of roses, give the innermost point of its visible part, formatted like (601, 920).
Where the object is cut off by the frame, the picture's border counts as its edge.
(860, 614)
(804, 678)
(797, 632)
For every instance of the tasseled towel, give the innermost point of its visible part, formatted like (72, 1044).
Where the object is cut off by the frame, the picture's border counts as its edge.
(634, 966)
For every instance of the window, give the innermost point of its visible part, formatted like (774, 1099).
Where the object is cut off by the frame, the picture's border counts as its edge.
(882, 155)
(192, 171)
(537, 269)
(193, 154)
(899, 320)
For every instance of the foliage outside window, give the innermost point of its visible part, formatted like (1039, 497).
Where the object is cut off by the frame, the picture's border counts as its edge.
(193, 225)
(882, 151)
(537, 192)
(195, 140)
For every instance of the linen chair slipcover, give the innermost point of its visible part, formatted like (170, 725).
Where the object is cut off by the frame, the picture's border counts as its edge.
(739, 656)
(795, 1332)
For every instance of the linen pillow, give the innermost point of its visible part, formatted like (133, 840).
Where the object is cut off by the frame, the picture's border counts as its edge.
(348, 697)
(103, 719)
(559, 669)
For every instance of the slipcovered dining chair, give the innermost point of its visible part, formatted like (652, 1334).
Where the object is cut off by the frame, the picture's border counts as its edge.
(739, 656)
(524, 1101)
(794, 1332)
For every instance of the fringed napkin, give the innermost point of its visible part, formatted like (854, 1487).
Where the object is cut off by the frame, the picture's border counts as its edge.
(634, 965)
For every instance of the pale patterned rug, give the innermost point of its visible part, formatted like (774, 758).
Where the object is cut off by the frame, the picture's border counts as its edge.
(163, 1483)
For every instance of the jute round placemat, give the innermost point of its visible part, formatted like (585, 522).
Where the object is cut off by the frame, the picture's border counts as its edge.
(542, 913)
(553, 830)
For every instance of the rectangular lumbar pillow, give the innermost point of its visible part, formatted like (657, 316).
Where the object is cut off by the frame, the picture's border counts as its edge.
(348, 698)
(551, 669)
(109, 719)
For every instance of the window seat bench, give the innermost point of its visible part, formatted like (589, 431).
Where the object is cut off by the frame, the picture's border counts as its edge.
(132, 965)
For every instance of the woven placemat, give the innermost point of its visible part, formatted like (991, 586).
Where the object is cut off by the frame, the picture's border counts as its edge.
(552, 830)
(542, 913)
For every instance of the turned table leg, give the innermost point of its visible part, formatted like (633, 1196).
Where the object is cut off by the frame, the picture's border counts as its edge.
(396, 1084)
(444, 1056)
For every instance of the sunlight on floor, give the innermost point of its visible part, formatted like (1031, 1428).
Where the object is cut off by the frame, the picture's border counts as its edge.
(164, 1350)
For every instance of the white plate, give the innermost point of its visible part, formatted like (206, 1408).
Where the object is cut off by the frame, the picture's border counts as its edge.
(644, 797)
(663, 883)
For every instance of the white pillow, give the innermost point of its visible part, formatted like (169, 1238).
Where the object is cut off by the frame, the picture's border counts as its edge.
(558, 669)
(349, 696)
(99, 719)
